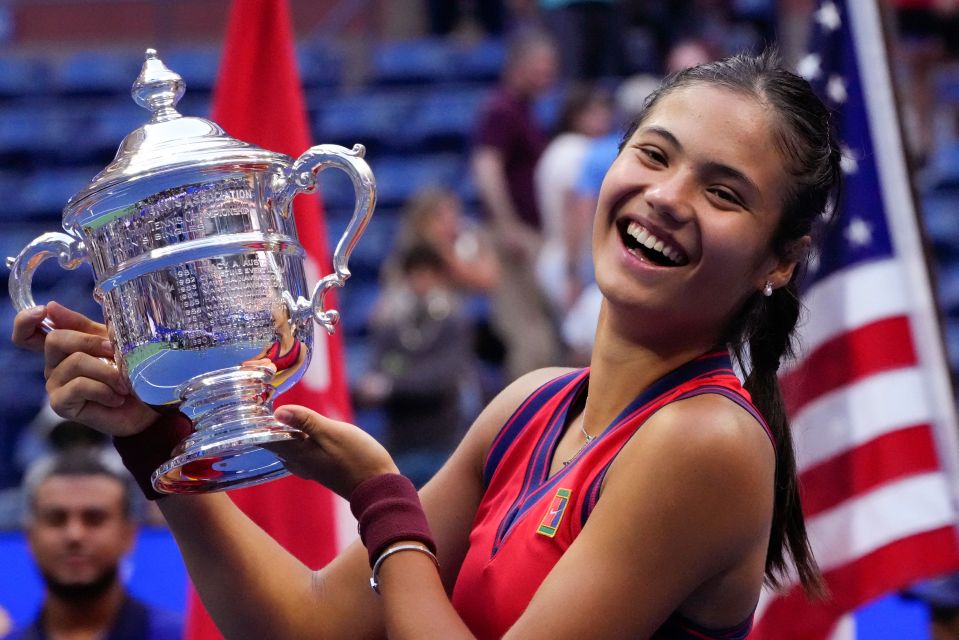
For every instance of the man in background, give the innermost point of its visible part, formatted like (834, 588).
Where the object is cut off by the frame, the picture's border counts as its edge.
(79, 528)
(508, 143)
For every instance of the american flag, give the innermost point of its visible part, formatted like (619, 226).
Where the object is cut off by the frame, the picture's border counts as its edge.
(872, 411)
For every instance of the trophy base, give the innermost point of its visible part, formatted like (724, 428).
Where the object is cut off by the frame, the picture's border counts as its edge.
(225, 457)
(232, 414)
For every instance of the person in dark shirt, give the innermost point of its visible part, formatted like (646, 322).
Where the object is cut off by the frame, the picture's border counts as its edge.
(508, 144)
(79, 527)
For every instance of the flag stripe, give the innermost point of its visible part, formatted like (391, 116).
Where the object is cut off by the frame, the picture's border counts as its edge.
(854, 472)
(879, 346)
(858, 414)
(848, 299)
(868, 576)
(861, 525)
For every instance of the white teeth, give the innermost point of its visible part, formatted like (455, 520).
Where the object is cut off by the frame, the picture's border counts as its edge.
(648, 240)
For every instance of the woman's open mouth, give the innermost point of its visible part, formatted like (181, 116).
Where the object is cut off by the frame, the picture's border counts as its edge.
(641, 242)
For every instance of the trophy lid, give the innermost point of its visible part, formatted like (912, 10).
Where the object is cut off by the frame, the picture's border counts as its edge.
(169, 141)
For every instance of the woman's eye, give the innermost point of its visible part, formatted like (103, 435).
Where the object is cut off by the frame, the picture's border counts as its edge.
(653, 154)
(727, 196)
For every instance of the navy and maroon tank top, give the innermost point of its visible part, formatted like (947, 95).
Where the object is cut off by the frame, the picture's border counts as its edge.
(527, 518)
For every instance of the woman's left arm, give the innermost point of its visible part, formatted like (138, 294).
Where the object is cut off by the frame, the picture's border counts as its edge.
(689, 499)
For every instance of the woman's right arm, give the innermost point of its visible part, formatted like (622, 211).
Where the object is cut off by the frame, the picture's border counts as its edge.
(253, 587)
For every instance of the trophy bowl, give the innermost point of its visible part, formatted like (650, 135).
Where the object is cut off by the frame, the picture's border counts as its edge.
(200, 275)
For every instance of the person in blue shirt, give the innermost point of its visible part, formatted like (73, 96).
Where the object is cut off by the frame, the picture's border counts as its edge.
(79, 527)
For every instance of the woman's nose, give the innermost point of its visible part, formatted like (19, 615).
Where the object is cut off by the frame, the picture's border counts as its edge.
(671, 196)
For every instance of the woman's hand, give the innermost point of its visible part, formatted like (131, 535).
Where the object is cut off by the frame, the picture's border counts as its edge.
(83, 384)
(28, 332)
(338, 455)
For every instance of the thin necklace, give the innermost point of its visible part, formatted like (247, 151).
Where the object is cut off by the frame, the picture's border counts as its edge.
(589, 439)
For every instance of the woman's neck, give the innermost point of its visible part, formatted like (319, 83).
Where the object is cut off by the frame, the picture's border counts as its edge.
(624, 364)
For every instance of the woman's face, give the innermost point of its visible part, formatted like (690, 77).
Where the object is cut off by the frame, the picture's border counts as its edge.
(444, 224)
(702, 182)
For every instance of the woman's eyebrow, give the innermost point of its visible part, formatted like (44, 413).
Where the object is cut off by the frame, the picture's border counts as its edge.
(663, 133)
(726, 171)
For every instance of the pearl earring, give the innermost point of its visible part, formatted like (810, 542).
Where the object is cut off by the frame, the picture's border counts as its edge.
(768, 289)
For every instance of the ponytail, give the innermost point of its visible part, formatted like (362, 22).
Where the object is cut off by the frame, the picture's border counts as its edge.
(766, 337)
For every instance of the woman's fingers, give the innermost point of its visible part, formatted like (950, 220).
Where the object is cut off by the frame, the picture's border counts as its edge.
(27, 330)
(320, 428)
(84, 365)
(64, 343)
(337, 454)
(65, 318)
(29, 333)
(71, 399)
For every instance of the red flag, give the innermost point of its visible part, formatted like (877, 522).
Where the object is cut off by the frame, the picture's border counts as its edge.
(259, 99)
(870, 399)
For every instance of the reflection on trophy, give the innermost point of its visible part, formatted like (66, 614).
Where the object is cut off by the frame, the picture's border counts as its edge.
(199, 271)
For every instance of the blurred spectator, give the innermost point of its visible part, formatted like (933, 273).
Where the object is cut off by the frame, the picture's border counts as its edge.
(928, 40)
(563, 266)
(591, 35)
(508, 144)
(420, 364)
(79, 528)
(434, 217)
(689, 52)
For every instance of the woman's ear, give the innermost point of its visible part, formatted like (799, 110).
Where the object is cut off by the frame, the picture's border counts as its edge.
(782, 270)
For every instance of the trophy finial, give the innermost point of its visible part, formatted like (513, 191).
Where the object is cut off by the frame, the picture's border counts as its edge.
(158, 88)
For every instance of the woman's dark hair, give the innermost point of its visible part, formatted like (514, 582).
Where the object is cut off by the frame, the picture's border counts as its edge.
(761, 333)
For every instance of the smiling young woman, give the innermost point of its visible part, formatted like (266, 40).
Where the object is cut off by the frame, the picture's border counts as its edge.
(649, 495)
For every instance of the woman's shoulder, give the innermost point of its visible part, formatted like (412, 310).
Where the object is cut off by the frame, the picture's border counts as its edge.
(710, 423)
(706, 442)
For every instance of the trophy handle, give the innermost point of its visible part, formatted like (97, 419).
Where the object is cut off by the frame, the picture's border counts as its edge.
(69, 250)
(304, 173)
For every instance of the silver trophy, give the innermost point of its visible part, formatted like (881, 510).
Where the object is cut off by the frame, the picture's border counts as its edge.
(200, 274)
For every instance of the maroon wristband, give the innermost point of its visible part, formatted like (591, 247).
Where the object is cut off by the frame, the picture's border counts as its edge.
(143, 452)
(388, 510)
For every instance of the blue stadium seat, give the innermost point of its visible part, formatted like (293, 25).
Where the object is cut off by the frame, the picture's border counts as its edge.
(478, 62)
(111, 123)
(377, 120)
(197, 65)
(97, 72)
(399, 177)
(31, 129)
(412, 62)
(952, 345)
(948, 285)
(943, 169)
(946, 83)
(357, 300)
(320, 65)
(44, 194)
(940, 214)
(23, 75)
(444, 119)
